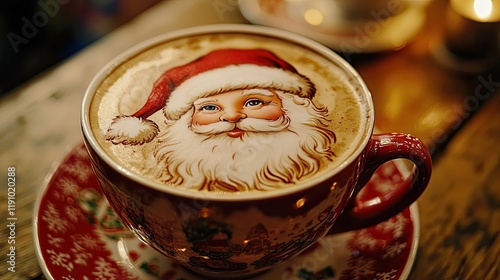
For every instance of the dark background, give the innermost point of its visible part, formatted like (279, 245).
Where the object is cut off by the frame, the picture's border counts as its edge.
(37, 34)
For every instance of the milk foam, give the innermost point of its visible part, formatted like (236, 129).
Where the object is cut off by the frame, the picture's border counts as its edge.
(125, 90)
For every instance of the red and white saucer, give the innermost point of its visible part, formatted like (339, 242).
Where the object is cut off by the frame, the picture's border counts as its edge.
(78, 236)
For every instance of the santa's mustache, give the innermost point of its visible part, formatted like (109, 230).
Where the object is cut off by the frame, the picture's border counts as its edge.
(247, 125)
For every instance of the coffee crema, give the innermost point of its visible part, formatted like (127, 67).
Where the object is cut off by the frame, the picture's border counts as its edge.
(228, 112)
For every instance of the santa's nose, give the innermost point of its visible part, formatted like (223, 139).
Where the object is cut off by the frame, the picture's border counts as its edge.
(232, 116)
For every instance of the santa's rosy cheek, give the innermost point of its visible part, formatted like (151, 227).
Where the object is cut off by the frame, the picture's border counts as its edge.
(269, 112)
(204, 118)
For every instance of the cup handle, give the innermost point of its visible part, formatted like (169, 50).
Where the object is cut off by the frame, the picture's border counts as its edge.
(382, 148)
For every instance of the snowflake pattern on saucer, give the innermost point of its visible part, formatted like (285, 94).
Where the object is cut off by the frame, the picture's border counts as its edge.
(78, 236)
(69, 235)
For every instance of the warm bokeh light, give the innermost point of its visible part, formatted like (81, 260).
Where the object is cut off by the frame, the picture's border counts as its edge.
(483, 8)
(477, 10)
(313, 16)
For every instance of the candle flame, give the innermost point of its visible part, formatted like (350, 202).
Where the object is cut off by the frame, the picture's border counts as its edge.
(483, 8)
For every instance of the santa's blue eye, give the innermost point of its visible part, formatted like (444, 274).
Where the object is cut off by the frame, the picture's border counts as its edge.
(209, 107)
(253, 102)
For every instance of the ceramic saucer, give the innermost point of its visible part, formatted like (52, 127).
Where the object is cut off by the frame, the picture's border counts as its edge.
(325, 22)
(78, 236)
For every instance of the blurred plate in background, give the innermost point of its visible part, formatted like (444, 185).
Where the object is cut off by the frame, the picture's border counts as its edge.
(345, 26)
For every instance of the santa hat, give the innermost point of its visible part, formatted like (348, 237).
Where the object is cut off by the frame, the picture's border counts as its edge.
(217, 72)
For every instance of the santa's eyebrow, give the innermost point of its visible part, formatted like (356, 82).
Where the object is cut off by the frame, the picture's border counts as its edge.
(258, 91)
(204, 100)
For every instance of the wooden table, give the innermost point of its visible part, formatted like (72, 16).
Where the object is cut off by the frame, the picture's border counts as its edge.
(459, 212)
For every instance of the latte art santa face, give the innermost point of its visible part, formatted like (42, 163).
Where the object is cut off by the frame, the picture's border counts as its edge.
(241, 113)
(248, 153)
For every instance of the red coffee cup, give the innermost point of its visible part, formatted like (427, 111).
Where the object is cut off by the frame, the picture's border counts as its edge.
(233, 148)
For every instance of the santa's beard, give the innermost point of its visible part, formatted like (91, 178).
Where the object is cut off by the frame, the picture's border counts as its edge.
(269, 155)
